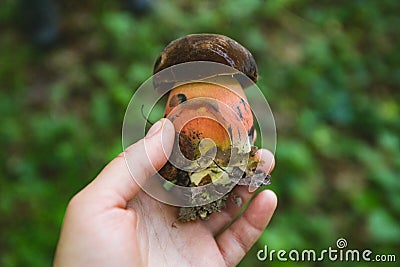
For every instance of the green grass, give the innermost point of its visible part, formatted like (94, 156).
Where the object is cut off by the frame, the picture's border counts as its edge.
(329, 69)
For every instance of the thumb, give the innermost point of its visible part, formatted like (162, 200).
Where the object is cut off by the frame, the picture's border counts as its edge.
(138, 162)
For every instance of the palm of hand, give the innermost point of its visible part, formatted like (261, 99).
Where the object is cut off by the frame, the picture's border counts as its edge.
(166, 243)
(200, 243)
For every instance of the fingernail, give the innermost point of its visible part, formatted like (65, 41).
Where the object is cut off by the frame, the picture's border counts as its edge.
(154, 129)
(252, 188)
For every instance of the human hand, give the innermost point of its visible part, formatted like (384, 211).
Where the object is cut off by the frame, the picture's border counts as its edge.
(112, 222)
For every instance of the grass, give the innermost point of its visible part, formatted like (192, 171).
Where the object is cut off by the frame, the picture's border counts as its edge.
(329, 69)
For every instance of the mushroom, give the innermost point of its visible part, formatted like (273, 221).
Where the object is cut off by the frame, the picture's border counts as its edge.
(208, 47)
(216, 113)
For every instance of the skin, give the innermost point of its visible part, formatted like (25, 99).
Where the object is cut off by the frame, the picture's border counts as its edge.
(112, 222)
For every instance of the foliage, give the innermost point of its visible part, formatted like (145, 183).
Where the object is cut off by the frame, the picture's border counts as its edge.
(329, 69)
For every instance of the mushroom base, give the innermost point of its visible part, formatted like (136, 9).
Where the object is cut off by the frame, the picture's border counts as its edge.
(187, 214)
(251, 176)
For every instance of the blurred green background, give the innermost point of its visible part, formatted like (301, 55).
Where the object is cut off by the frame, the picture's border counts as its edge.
(329, 69)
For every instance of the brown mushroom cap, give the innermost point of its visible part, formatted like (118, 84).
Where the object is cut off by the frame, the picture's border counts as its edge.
(208, 47)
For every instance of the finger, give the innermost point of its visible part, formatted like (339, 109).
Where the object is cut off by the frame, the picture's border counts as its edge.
(239, 197)
(255, 136)
(120, 178)
(266, 164)
(237, 239)
(267, 160)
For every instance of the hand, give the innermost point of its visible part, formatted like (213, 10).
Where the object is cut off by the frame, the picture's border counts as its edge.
(112, 222)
